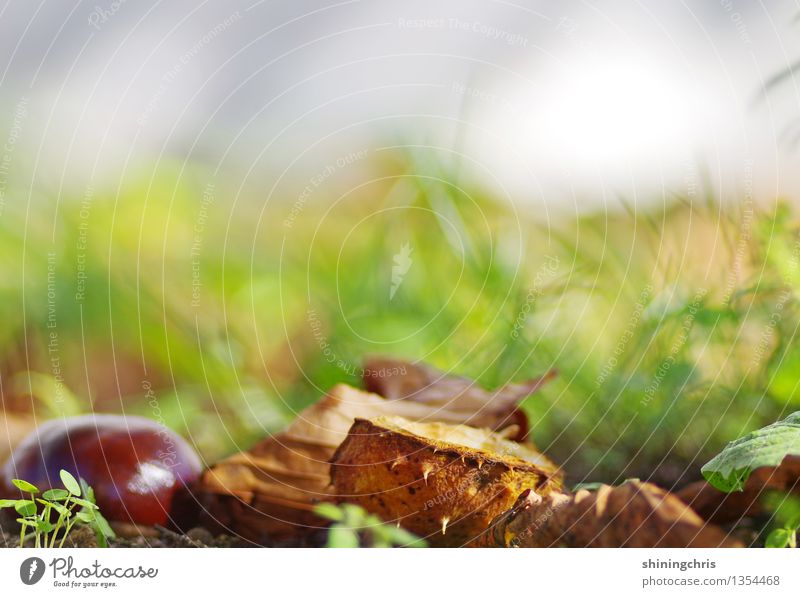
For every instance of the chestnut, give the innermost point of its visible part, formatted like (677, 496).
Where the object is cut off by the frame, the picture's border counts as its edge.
(136, 466)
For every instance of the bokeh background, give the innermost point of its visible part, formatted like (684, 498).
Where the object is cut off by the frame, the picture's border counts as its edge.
(210, 211)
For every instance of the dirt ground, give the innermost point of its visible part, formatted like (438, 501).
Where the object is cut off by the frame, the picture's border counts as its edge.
(138, 537)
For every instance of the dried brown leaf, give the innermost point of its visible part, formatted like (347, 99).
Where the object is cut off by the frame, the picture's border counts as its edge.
(269, 491)
(396, 379)
(634, 514)
(719, 507)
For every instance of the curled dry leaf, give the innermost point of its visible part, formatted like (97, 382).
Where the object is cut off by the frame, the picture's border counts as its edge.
(396, 379)
(719, 507)
(268, 493)
(634, 514)
(442, 482)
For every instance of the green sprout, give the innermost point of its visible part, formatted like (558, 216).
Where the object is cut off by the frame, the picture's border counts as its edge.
(49, 519)
(353, 526)
(786, 516)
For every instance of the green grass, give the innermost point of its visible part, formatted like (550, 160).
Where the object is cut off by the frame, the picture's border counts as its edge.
(661, 322)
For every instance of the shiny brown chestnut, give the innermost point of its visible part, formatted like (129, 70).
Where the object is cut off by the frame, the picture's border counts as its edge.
(135, 465)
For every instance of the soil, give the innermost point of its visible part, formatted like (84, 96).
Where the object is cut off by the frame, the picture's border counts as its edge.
(161, 537)
(129, 536)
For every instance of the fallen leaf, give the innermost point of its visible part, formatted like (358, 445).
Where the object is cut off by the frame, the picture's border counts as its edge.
(634, 514)
(717, 506)
(395, 379)
(268, 492)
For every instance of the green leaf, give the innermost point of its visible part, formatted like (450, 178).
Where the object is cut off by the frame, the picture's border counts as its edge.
(87, 505)
(25, 507)
(62, 510)
(7, 503)
(354, 516)
(403, 538)
(329, 511)
(24, 486)
(793, 522)
(102, 529)
(342, 537)
(84, 517)
(55, 494)
(730, 469)
(778, 538)
(88, 492)
(355, 519)
(70, 482)
(44, 526)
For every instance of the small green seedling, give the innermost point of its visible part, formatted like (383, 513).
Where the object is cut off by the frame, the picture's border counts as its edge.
(782, 538)
(353, 526)
(786, 508)
(50, 518)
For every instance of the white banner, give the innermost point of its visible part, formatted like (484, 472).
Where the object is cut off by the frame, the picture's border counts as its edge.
(330, 572)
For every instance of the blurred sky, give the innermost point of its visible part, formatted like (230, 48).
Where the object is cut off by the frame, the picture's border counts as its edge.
(567, 104)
